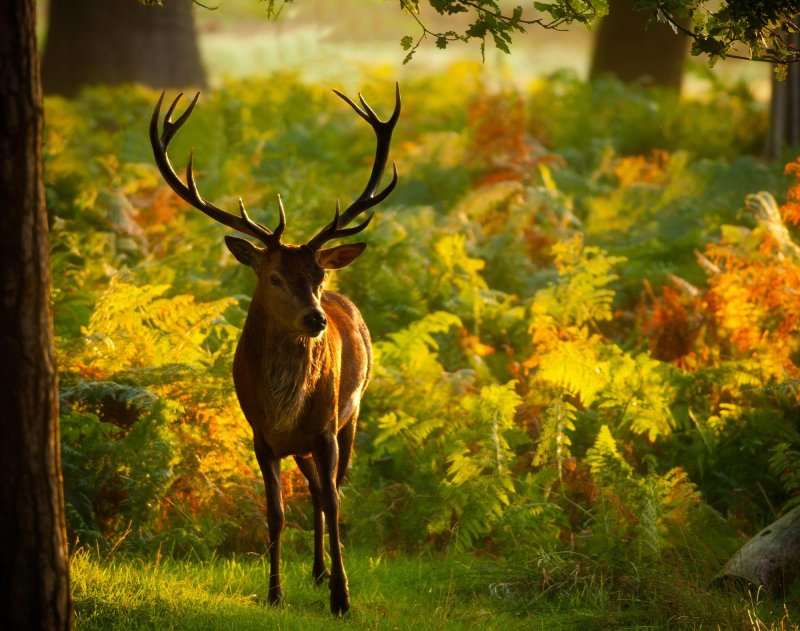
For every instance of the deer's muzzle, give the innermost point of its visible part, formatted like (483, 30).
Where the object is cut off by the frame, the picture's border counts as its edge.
(315, 322)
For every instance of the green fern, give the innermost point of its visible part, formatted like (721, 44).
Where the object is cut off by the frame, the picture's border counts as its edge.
(653, 512)
(605, 461)
(637, 392)
(479, 474)
(574, 366)
(412, 350)
(97, 392)
(785, 464)
(456, 278)
(580, 295)
(554, 441)
(134, 326)
(628, 390)
(115, 477)
(631, 391)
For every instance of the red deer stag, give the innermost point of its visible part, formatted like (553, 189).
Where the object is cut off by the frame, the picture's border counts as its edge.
(304, 357)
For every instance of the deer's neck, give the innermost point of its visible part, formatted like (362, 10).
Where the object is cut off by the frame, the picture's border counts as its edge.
(286, 368)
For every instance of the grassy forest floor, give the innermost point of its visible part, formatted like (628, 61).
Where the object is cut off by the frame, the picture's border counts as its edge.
(403, 592)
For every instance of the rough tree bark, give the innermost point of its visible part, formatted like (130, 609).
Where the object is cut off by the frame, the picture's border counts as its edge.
(770, 560)
(785, 108)
(34, 584)
(626, 48)
(120, 41)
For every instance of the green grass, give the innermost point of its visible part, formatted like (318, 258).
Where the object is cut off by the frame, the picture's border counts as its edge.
(230, 593)
(419, 593)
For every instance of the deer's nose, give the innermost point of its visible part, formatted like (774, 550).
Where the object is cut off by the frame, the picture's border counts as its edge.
(315, 321)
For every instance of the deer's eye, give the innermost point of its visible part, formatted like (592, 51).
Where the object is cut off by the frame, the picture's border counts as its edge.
(275, 280)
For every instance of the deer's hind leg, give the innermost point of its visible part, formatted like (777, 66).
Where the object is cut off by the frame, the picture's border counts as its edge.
(307, 467)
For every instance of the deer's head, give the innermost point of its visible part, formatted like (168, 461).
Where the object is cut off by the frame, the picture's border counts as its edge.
(290, 277)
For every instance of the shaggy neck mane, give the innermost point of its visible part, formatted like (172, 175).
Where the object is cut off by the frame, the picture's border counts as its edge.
(287, 367)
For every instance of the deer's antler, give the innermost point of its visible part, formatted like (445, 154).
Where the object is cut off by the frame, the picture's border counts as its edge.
(188, 191)
(383, 132)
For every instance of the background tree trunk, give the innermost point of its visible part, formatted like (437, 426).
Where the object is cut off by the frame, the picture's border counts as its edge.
(626, 48)
(120, 41)
(34, 583)
(785, 109)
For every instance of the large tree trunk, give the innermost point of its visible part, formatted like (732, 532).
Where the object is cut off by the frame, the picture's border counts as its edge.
(770, 560)
(34, 583)
(120, 41)
(626, 48)
(785, 108)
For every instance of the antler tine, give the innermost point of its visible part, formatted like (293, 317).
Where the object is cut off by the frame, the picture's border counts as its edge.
(383, 132)
(170, 128)
(333, 230)
(328, 232)
(189, 191)
(282, 219)
(368, 197)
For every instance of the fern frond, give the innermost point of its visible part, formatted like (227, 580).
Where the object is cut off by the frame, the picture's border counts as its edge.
(605, 462)
(580, 295)
(554, 441)
(785, 464)
(575, 367)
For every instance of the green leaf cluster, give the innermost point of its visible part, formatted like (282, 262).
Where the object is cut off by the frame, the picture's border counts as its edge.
(717, 30)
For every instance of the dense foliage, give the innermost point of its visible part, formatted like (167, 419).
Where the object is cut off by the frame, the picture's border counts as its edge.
(585, 327)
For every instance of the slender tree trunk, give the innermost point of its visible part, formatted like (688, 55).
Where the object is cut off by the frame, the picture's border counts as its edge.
(34, 583)
(626, 48)
(785, 109)
(120, 41)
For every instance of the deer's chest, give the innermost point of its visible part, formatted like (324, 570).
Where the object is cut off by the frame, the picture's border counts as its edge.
(288, 401)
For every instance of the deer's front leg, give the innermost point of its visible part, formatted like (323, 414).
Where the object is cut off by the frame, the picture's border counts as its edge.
(306, 465)
(271, 471)
(326, 457)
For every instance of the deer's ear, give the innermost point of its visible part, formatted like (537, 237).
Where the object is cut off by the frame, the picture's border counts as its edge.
(340, 256)
(244, 251)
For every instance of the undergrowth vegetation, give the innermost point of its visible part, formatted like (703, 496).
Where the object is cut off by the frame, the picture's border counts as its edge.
(584, 307)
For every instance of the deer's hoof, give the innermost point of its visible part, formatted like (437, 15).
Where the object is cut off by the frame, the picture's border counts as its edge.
(320, 577)
(275, 596)
(340, 605)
